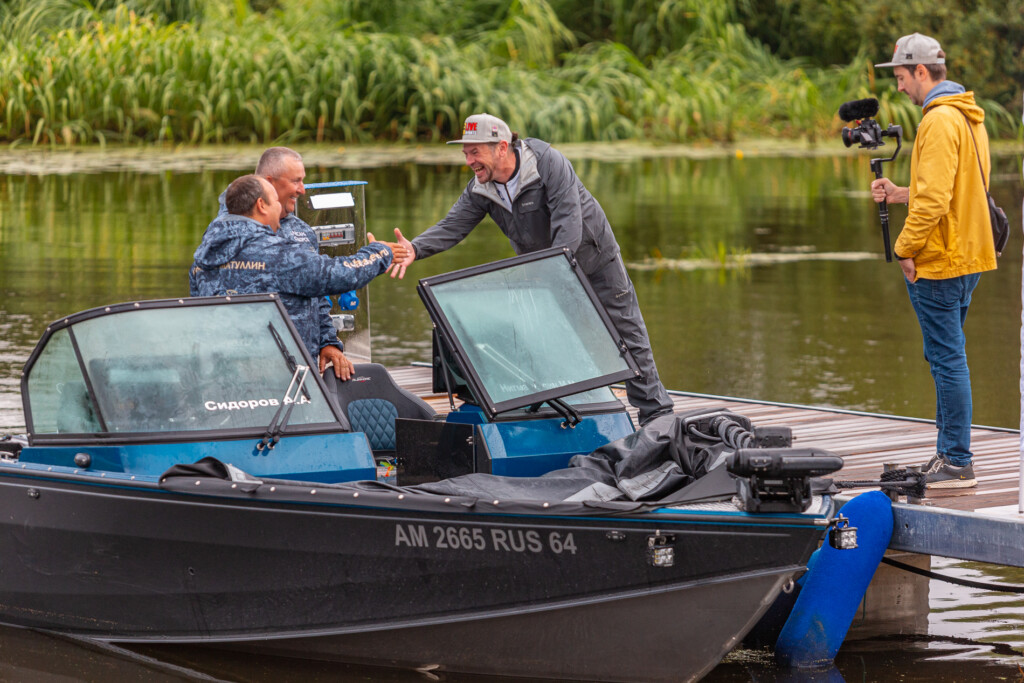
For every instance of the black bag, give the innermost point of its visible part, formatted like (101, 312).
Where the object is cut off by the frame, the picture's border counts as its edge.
(1000, 225)
(996, 216)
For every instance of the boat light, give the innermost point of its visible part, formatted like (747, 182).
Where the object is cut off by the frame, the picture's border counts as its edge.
(660, 552)
(842, 536)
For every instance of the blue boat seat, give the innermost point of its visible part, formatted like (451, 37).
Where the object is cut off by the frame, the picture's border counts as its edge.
(372, 401)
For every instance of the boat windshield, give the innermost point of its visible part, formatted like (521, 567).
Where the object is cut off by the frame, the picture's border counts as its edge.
(526, 330)
(165, 368)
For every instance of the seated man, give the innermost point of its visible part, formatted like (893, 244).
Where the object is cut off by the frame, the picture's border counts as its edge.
(242, 252)
(283, 168)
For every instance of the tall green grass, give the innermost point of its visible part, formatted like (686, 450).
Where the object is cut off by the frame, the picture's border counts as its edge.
(209, 71)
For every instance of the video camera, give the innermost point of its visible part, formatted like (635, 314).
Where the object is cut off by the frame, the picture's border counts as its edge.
(868, 134)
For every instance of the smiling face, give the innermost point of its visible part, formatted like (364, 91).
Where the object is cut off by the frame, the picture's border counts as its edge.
(289, 185)
(490, 161)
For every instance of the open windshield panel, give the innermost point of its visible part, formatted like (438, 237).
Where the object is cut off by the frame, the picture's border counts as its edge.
(218, 364)
(526, 330)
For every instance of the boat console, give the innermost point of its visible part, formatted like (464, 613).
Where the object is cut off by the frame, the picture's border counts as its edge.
(522, 345)
(528, 350)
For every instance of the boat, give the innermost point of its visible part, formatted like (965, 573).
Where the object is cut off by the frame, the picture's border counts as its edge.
(185, 478)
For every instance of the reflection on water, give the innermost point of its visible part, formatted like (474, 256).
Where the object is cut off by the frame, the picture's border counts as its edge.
(781, 323)
(786, 325)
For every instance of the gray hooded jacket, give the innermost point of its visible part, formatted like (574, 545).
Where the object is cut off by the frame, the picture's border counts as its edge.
(552, 209)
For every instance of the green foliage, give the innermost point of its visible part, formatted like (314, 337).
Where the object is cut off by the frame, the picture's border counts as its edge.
(983, 39)
(23, 19)
(197, 71)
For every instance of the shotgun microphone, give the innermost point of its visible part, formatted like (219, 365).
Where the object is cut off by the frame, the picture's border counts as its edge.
(858, 109)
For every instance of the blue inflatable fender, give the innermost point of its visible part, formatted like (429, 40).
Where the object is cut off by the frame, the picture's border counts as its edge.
(834, 585)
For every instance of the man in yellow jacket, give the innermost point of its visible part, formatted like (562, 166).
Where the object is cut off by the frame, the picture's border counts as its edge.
(946, 241)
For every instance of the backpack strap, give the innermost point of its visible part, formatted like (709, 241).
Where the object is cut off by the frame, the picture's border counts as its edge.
(976, 152)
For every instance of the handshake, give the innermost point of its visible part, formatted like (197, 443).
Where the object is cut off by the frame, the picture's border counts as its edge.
(403, 253)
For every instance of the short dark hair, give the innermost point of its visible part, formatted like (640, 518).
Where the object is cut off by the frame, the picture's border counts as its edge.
(242, 194)
(937, 72)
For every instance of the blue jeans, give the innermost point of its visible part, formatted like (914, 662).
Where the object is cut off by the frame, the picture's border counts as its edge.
(941, 308)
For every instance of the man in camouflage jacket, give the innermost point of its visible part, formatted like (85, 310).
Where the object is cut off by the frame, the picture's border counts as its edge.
(246, 249)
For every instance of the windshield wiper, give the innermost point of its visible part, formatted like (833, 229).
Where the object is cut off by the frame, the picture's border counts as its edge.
(277, 423)
(288, 358)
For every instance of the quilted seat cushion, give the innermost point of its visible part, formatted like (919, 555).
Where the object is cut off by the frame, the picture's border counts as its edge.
(376, 417)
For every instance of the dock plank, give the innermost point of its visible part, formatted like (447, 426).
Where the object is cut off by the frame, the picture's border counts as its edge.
(864, 441)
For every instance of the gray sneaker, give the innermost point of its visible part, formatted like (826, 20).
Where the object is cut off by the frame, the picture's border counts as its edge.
(934, 464)
(949, 477)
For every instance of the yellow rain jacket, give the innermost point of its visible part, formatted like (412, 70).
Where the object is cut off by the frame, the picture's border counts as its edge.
(947, 231)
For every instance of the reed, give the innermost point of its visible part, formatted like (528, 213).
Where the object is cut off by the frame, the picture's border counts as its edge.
(211, 71)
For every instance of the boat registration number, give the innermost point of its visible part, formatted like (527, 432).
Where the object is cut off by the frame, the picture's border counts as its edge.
(493, 539)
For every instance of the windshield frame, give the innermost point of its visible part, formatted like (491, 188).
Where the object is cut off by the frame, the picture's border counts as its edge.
(451, 342)
(340, 423)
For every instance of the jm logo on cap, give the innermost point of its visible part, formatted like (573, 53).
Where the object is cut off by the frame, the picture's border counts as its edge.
(483, 128)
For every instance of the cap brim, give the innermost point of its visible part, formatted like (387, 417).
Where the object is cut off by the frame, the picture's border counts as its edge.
(940, 60)
(467, 141)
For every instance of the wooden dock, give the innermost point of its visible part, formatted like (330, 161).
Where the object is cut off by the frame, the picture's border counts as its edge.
(974, 524)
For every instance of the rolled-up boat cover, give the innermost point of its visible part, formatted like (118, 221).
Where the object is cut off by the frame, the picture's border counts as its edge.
(662, 463)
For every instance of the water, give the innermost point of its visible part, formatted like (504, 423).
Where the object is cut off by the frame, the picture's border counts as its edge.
(759, 277)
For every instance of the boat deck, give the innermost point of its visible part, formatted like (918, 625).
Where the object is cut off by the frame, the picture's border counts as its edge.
(976, 524)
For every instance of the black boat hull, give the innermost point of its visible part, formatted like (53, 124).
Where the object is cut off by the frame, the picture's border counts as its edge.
(528, 595)
(677, 634)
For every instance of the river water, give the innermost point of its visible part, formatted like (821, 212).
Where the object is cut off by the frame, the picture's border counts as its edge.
(759, 275)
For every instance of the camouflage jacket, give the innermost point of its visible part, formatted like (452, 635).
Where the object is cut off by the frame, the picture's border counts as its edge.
(297, 230)
(240, 256)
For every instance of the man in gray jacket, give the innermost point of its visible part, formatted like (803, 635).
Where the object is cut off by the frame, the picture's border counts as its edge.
(535, 197)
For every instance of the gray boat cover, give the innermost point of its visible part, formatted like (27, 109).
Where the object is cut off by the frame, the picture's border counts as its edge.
(667, 462)
(658, 462)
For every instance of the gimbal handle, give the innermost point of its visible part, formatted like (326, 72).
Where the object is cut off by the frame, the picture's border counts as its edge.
(883, 206)
(883, 211)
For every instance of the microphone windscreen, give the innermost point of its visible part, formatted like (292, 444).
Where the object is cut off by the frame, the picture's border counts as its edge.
(858, 109)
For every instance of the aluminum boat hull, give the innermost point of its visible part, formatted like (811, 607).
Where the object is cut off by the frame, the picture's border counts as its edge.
(316, 572)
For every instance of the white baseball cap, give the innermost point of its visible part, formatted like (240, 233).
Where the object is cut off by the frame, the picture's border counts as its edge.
(915, 49)
(483, 128)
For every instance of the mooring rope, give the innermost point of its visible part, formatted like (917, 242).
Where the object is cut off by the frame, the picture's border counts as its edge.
(1003, 588)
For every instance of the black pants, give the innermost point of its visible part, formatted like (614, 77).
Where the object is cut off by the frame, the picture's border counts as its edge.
(615, 290)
